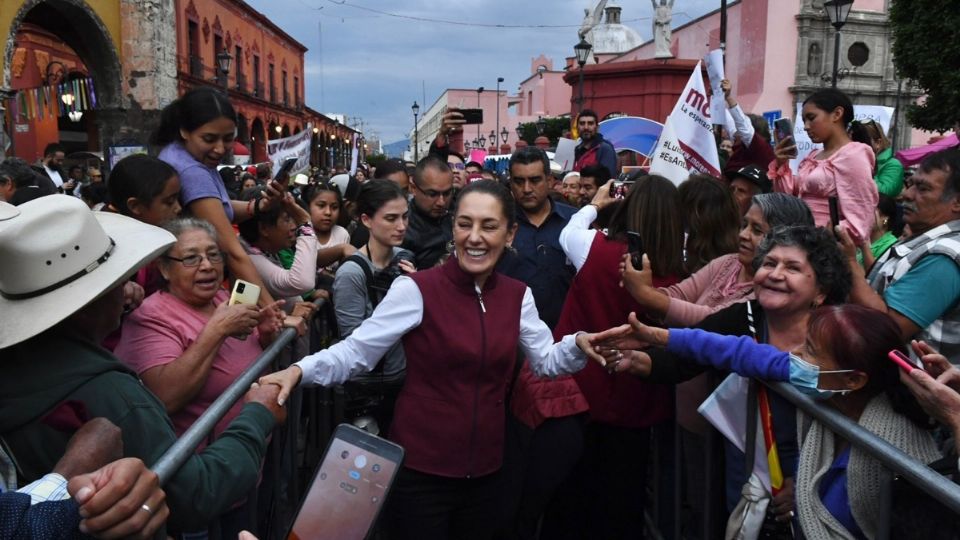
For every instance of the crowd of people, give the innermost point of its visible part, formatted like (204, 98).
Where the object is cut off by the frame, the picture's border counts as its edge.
(522, 337)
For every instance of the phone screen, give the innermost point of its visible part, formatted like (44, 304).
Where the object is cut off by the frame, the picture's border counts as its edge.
(782, 129)
(635, 248)
(347, 492)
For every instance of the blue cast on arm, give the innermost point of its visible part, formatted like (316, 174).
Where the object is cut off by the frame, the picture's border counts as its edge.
(741, 355)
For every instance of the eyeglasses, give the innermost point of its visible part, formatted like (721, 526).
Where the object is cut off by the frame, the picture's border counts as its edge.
(215, 257)
(457, 166)
(434, 194)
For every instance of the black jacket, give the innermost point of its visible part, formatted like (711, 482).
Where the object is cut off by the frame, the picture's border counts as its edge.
(427, 237)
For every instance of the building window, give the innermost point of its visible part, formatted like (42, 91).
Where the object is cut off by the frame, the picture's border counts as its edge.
(257, 81)
(238, 68)
(193, 44)
(296, 92)
(272, 83)
(286, 93)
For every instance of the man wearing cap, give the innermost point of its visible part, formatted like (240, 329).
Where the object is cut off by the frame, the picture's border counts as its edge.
(747, 182)
(67, 292)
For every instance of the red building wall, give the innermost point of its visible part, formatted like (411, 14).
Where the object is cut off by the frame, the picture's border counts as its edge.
(647, 88)
(204, 27)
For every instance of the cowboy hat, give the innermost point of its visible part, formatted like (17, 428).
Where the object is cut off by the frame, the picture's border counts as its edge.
(57, 256)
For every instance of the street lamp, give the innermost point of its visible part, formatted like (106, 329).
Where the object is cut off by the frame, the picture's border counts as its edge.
(541, 125)
(492, 137)
(223, 62)
(582, 51)
(504, 134)
(499, 80)
(837, 10)
(479, 91)
(519, 132)
(483, 142)
(416, 132)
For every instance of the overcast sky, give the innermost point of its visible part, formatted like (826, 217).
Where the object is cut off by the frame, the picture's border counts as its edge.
(374, 65)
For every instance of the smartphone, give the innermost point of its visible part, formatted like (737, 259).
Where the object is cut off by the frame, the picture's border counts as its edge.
(285, 169)
(834, 215)
(619, 189)
(904, 361)
(349, 488)
(472, 116)
(635, 249)
(782, 128)
(244, 292)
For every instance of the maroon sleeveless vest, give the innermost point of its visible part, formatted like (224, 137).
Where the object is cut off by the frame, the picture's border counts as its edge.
(450, 413)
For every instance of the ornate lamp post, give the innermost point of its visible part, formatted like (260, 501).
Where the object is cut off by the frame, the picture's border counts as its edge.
(499, 80)
(223, 63)
(837, 10)
(416, 132)
(504, 134)
(479, 91)
(582, 51)
(541, 125)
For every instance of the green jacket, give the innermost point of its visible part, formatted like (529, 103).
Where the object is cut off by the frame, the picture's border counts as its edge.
(889, 177)
(52, 369)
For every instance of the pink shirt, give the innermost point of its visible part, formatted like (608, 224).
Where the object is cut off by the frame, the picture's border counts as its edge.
(846, 175)
(162, 328)
(712, 288)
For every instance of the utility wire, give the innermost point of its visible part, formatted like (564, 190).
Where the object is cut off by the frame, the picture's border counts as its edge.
(344, 3)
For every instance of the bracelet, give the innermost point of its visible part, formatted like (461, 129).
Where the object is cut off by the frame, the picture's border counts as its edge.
(250, 207)
(304, 229)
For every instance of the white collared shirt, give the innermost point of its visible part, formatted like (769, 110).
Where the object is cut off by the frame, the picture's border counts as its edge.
(400, 311)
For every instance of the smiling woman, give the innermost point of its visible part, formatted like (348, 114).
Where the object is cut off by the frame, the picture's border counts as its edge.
(196, 132)
(460, 325)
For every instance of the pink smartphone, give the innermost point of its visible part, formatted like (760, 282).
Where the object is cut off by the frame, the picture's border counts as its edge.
(902, 360)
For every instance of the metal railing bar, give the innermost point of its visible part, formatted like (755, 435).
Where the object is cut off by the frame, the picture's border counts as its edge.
(174, 458)
(915, 472)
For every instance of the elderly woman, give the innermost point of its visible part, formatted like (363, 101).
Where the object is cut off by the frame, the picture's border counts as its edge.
(726, 280)
(185, 342)
(842, 362)
(796, 270)
(54, 375)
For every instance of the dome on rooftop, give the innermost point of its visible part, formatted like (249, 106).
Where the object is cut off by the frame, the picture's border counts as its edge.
(612, 37)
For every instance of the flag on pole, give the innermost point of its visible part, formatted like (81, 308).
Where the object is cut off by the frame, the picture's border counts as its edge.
(667, 157)
(692, 125)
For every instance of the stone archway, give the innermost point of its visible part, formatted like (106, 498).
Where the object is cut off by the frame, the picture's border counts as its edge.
(78, 26)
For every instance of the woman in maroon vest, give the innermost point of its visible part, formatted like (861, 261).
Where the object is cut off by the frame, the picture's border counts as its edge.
(460, 324)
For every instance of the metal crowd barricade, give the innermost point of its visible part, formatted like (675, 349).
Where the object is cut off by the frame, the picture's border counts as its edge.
(894, 461)
(282, 454)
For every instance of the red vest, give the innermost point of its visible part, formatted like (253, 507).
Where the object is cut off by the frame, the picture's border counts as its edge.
(596, 302)
(449, 415)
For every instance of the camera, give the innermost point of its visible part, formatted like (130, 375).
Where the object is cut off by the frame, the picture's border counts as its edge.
(382, 279)
(241, 287)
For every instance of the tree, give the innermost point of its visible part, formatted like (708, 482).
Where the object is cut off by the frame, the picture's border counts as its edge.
(926, 49)
(553, 130)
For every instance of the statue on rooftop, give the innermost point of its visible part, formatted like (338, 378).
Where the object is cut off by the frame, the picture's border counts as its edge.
(661, 28)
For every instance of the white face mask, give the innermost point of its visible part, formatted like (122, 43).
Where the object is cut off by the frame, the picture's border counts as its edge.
(806, 377)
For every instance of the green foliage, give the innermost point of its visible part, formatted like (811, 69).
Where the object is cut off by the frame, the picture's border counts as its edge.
(375, 160)
(554, 129)
(926, 48)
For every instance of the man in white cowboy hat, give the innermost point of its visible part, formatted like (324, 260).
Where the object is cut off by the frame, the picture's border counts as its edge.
(61, 294)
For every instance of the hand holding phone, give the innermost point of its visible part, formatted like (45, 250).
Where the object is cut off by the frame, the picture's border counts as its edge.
(834, 215)
(635, 248)
(785, 147)
(902, 360)
(244, 292)
(472, 116)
